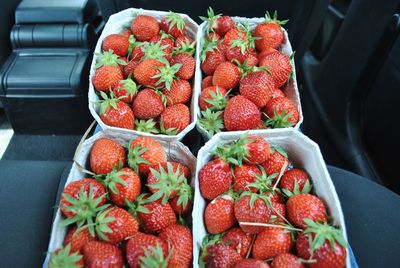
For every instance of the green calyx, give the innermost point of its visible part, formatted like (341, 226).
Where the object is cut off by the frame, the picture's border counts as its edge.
(274, 18)
(255, 196)
(234, 153)
(108, 58)
(240, 44)
(112, 179)
(167, 131)
(278, 149)
(208, 46)
(210, 19)
(208, 240)
(175, 19)
(217, 100)
(167, 74)
(134, 156)
(280, 120)
(130, 86)
(138, 205)
(154, 257)
(154, 51)
(211, 121)
(296, 189)
(147, 126)
(323, 232)
(107, 102)
(132, 44)
(185, 194)
(64, 258)
(263, 182)
(186, 47)
(85, 208)
(102, 222)
(292, 66)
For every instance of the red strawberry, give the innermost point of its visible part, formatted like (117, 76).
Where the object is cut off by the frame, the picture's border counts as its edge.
(106, 155)
(241, 114)
(272, 242)
(278, 64)
(116, 113)
(270, 32)
(226, 75)
(282, 112)
(165, 41)
(251, 60)
(206, 82)
(180, 208)
(219, 214)
(141, 243)
(278, 212)
(242, 176)
(220, 24)
(65, 257)
(266, 52)
(180, 243)
(118, 43)
(257, 87)
(235, 52)
(106, 77)
(123, 185)
(145, 152)
(173, 24)
(180, 92)
(215, 178)
(214, 97)
(188, 64)
(238, 240)
(77, 239)
(147, 104)
(213, 36)
(126, 90)
(276, 93)
(130, 68)
(126, 32)
(286, 260)
(211, 61)
(146, 70)
(257, 150)
(251, 263)
(144, 27)
(174, 119)
(305, 206)
(234, 34)
(220, 256)
(181, 40)
(278, 158)
(137, 53)
(100, 254)
(115, 224)
(293, 177)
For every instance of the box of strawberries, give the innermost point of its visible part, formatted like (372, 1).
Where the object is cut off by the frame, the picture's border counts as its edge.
(247, 75)
(266, 200)
(127, 200)
(142, 75)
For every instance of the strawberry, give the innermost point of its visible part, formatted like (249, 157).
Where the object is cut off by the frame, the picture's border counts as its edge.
(180, 92)
(145, 152)
(144, 27)
(213, 97)
(174, 119)
(141, 243)
(234, 34)
(238, 240)
(206, 82)
(270, 32)
(241, 114)
(65, 257)
(219, 215)
(322, 243)
(106, 155)
(101, 254)
(278, 211)
(211, 61)
(244, 175)
(218, 23)
(276, 93)
(251, 60)
(295, 178)
(117, 43)
(278, 158)
(130, 68)
(286, 260)
(180, 243)
(226, 75)
(147, 104)
(282, 112)
(116, 113)
(182, 203)
(106, 78)
(165, 41)
(257, 87)
(173, 24)
(265, 52)
(188, 64)
(278, 64)
(146, 70)
(215, 178)
(183, 39)
(251, 263)
(167, 74)
(77, 239)
(256, 150)
(109, 58)
(126, 32)
(212, 35)
(158, 50)
(137, 52)
(220, 256)
(123, 185)
(305, 206)
(126, 90)
(272, 242)
(115, 224)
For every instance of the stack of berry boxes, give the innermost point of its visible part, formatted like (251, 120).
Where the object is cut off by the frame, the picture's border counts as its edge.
(277, 131)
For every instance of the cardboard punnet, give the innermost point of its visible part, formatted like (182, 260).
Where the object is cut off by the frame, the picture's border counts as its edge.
(175, 151)
(291, 90)
(116, 23)
(303, 153)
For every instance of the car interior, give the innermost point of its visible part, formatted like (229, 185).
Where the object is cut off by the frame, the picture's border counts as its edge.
(347, 59)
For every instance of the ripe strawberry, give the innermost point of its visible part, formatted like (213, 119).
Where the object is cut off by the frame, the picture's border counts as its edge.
(180, 242)
(105, 155)
(270, 32)
(257, 87)
(215, 178)
(220, 256)
(282, 112)
(139, 244)
(126, 90)
(115, 224)
(106, 77)
(188, 64)
(126, 32)
(146, 70)
(251, 263)
(237, 51)
(278, 212)
(180, 92)
(226, 75)
(213, 97)
(234, 34)
(220, 24)
(206, 82)
(123, 185)
(173, 24)
(305, 206)
(65, 257)
(277, 93)
(147, 104)
(117, 43)
(144, 27)
(219, 214)
(174, 119)
(211, 61)
(165, 42)
(322, 243)
(257, 150)
(183, 39)
(278, 64)
(241, 114)
(238, 240)
(244, 175)
(130, 68)
(272, 242)
(145, 152)
(291, 178)
(286, 260)
(278, 158)
(251, 60)
(101, 254)
(181, 208)
(77, 240)
(265, 52)
(116, 113)
(137, 52)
